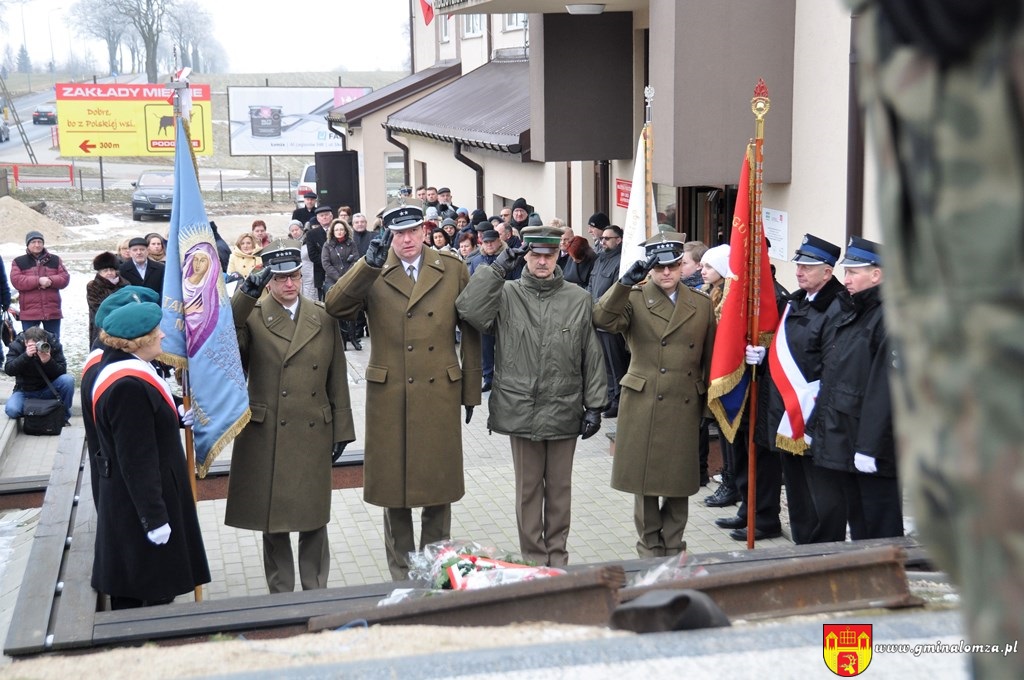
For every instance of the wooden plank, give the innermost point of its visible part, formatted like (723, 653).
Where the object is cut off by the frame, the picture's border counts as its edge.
(31, 618)
(251, 612)
(77, 603)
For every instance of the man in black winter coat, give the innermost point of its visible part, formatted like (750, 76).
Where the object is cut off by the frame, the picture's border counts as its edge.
(602, 276)
(32, 354)
(852, 427)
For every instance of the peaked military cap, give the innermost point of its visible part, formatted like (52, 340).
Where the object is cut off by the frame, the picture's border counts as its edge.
(814, 250)
(665, 246)
(861, 252)
(543, 240)
(282, 256)
(402, 217)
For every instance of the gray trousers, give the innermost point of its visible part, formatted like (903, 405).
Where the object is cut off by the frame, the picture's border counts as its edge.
(399, 539)
(314, 560)
(543, 497)
(660, 522)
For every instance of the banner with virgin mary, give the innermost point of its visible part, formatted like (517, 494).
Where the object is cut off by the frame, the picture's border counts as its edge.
(197, 323)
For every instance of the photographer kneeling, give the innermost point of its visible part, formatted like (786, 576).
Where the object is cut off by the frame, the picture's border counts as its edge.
(33, 353)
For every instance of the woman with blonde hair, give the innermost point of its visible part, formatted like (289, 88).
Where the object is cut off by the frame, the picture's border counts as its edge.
(243, 256)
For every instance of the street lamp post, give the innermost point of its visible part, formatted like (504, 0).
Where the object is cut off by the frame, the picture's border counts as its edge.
(24, 43)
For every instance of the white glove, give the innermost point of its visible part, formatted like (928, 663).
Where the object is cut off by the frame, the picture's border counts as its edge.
(808, 439)
(160, 535)
(864, 463)
(755, 355)
(187, 417)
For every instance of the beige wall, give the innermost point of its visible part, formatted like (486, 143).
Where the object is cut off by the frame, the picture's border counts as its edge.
(816, 198)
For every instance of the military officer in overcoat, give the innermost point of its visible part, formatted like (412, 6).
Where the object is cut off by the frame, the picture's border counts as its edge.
(416, 379)
(301, 419)
(670, 332)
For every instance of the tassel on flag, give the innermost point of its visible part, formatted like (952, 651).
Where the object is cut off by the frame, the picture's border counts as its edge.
(197, 321)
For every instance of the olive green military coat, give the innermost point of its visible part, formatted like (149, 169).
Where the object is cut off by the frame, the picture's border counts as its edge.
(298, 394)
(416, 377)
(664, 390)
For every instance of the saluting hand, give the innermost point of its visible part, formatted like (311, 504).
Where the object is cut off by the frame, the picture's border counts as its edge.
(377, 251)
(637, 272)
(507, 260)
(255, 282)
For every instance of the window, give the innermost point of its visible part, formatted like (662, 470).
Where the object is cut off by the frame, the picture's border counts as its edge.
(394, 174)
(442, 28)
(513, 21)
(472, 25)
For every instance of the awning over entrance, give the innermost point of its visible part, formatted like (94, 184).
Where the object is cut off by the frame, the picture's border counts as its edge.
(488, 108)
(352, 113)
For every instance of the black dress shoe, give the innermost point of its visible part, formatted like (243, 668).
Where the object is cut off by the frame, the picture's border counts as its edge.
(759, 535)
(733, 522)
(723, 496)
(356, 345)
(486, 387)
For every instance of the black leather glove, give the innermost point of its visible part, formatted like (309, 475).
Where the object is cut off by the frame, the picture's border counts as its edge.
(591, 423)
(638, 271)
(377, 251)
(255, 282)
(469, 414)
(339, 448)
(507, 259)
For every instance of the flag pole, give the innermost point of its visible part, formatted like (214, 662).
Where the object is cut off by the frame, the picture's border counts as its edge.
(177, 86)
(648, 133)
(759, 105)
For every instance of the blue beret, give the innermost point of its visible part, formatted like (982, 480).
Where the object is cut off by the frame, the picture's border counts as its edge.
(129, 312)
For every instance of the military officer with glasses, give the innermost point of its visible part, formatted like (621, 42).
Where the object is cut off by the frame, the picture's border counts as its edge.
(670, 332)
(301, 419)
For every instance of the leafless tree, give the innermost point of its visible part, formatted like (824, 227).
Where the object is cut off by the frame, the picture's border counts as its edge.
(147, 16)
(97, 19)
(188, 26)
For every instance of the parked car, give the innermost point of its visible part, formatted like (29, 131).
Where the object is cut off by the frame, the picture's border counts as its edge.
(5, 130)
(307, 182)
(45, 113)
(154, 192)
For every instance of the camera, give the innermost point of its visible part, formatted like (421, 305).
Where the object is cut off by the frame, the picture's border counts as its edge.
(43, 347)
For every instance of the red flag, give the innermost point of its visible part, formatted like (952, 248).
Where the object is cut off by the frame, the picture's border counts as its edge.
(428, 12)
(727, 395)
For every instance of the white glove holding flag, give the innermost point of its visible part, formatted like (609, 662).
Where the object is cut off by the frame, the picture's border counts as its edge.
(864, 463)
(755, 355)
(160, 535)
(187, 417)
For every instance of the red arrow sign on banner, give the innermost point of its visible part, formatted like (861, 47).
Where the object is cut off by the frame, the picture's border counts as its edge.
(86, 146)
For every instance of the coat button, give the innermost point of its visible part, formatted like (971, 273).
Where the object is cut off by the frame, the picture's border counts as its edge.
(283, 423)
(409, 348)
(689, 373)
(686, 401)
(316, 366)
(431, 380)
(312, 424)
(284, 393)
(661, 397)
(430, 349)
(430, 314)
(664, 370)
(691, 345)
(410, 381)
(664, 342)
(313, 395)
(408, 315)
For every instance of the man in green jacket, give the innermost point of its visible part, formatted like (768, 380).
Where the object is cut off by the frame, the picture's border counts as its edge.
(549, 381)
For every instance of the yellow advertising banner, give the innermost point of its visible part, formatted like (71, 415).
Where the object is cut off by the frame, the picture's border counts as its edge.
(123, 119)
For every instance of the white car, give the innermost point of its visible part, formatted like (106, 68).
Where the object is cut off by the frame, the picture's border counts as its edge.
(307, 183)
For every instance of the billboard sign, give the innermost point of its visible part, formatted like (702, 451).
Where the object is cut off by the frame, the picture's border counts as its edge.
(285, 121)
(124, 119)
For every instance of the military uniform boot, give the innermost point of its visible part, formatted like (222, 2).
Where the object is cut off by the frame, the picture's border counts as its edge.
(725, 495)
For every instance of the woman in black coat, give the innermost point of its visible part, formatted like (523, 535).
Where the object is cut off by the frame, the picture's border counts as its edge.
(149, 547)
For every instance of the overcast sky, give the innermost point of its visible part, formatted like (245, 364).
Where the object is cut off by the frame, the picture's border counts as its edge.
(260, 36)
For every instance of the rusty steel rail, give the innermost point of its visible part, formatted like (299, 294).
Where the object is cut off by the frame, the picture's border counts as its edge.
(585, 598)
(869, 578)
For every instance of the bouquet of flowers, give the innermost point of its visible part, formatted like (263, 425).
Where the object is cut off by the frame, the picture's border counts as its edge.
(672, 568)
(467, 565)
